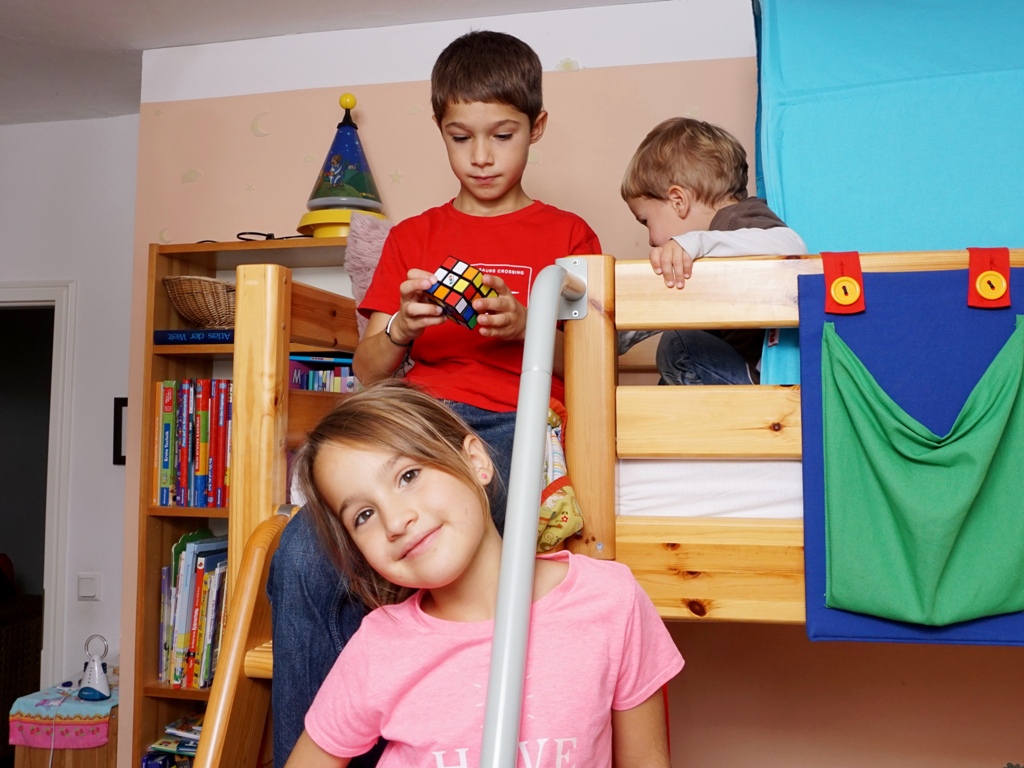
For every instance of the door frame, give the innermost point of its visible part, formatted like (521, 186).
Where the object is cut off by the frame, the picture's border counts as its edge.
(61, 295)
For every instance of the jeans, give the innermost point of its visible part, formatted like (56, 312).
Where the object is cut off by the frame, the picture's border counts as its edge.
(313, 614)
(699, 357)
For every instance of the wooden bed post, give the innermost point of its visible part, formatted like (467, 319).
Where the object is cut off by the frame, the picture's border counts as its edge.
(590, 354)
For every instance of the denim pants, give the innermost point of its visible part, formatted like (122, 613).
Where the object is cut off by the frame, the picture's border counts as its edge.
(312, 611)
(699, 357)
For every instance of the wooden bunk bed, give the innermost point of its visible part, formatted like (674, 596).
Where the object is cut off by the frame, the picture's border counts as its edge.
(700, 568)
(712, 569)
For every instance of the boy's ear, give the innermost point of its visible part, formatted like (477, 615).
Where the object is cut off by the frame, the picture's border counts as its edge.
(538, 127)
(680, 199)
(478, 457)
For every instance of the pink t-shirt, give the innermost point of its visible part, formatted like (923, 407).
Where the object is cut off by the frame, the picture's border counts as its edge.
(453, 362)
(596, 644)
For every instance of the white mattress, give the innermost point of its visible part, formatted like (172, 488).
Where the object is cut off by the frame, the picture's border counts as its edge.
(692, 488)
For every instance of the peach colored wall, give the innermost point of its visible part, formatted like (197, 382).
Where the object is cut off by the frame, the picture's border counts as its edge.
(207, 171)
(766, 696)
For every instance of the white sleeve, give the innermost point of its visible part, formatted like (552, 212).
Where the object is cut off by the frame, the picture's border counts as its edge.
(742, 242)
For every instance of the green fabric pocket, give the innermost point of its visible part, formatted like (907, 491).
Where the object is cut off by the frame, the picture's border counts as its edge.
(922, 528)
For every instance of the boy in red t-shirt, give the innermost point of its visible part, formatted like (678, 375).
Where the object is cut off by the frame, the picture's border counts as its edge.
(487, 102)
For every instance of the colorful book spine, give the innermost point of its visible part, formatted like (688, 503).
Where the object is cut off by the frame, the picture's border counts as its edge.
(222, 617)
(180, 645)
(189, 466)
(193, 633)
(202, 336)
(202, 619)
(218, 441)
(227, 449)
(184, 441)
(202, 441)
(211, 471)
(165, 601)
(167, 446)
(158, 439)
(211, 638)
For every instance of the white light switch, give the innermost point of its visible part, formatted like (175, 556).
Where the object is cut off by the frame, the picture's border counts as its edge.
(89, 585)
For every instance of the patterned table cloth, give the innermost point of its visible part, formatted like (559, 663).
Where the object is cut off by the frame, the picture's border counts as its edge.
(57, 717)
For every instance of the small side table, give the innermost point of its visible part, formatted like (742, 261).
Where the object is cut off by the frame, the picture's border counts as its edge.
(96, 757)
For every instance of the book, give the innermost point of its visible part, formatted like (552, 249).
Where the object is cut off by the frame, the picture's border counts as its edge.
(166, 760)
(195, 679)
(167, 446)
(184, 422)
(188, 726)
(200, 593)
(165, 602)
(158, 438)
(222, 617)
(195, 336)
(227, 451)
(175, 745)
(185, 553)
(202, 442)
(211, 638)
(218, 441)
(333, 358)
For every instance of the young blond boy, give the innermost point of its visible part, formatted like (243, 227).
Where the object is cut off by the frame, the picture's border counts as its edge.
(687, 183)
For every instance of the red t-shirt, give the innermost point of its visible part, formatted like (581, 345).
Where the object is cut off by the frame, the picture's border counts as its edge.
(453, 362)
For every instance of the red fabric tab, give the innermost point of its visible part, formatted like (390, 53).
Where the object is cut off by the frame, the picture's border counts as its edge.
(844, 282)
(988, 279)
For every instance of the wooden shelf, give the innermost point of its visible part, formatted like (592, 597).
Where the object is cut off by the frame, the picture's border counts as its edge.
(273, 316)
(199, 513)
(164, 691)
(213, 351)
(299, 253)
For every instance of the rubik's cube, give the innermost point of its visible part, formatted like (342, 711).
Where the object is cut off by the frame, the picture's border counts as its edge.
(457, 284)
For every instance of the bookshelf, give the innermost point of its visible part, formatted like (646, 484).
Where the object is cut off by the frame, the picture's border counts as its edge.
(274, 315)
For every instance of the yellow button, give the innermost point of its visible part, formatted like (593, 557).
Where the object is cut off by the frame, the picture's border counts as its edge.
(845, 290)
(991, 285)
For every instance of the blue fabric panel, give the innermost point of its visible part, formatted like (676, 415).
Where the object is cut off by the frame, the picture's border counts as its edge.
(894, 126)
(927, 349)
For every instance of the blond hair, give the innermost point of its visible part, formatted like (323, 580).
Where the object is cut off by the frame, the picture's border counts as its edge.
(395, 417)
(700, 157)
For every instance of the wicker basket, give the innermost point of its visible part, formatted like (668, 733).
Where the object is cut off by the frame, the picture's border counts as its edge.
(206, 302)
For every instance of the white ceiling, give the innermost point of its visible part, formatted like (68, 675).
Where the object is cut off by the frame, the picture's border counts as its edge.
(80, 59)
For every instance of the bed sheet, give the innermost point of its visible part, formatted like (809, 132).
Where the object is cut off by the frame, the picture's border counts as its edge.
(709, 488)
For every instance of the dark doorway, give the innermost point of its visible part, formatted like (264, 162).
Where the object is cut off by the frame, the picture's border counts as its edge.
(26, 360)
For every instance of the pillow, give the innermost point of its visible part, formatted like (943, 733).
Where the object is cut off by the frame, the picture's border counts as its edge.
(366, 238)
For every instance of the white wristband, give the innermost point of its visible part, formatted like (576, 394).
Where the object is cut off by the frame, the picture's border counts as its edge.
(387, 332)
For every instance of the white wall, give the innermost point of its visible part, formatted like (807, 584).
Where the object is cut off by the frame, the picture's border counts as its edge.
(642, 33)
(67, 198)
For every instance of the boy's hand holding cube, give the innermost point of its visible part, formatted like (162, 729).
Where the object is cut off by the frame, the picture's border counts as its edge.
(456, 285)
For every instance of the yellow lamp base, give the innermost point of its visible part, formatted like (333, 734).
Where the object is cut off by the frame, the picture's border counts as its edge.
(330, 222)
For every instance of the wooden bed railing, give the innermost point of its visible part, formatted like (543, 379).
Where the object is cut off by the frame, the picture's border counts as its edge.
(695, 568)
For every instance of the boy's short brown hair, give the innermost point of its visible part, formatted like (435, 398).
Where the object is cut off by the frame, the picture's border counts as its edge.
(489, 67)
(698, 156)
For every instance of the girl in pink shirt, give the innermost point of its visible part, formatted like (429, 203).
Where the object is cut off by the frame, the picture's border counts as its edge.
(397, 485)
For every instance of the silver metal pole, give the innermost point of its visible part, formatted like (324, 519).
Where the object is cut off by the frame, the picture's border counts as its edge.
(559, 292)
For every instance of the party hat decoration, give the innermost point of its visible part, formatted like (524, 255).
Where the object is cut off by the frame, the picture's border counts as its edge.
(344, 184)
(345, 180)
